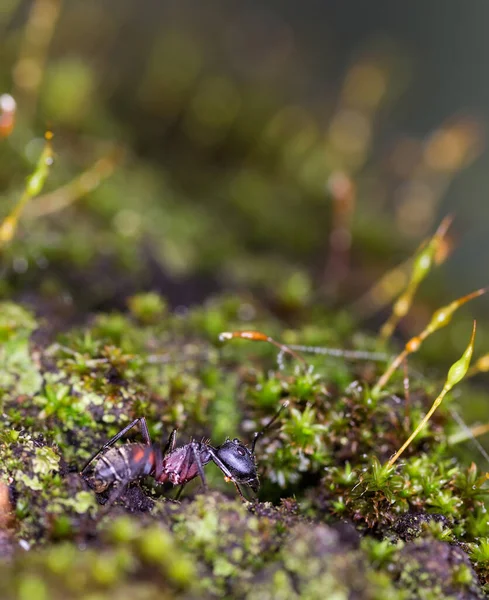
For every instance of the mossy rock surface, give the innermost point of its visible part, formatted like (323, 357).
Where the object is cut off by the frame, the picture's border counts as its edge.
(329, 522)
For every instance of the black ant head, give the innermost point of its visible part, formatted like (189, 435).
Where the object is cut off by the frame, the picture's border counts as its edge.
(240, 462)
(237, 462)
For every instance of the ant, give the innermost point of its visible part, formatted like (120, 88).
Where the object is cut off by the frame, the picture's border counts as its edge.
(134, 460)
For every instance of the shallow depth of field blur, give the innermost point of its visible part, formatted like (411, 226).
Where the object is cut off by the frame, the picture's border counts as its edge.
(292, 152)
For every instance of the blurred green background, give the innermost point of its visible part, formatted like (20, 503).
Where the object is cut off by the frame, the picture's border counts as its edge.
(297, 151)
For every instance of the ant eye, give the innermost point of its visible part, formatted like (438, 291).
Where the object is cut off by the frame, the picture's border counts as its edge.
(241, 451)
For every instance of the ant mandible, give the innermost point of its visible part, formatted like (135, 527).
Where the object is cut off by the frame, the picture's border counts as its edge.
(122, 465)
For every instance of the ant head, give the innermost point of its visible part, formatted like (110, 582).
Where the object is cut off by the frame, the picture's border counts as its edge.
(240, 462)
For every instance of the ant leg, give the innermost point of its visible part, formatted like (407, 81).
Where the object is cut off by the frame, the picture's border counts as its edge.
(198, 462)
(121, 487)
(159, 453)
(227, 473)
(220, 464)
(144, 432)
(115, 495)
(240, 492)
(170, 445)
(258, 434)
(180, 490)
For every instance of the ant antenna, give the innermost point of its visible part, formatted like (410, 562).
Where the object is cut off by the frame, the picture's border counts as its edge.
(258, 434)
(258, 336)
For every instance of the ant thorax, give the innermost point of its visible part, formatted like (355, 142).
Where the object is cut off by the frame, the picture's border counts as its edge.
(180, 466)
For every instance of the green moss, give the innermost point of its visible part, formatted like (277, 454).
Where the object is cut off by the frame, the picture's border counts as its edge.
(147, 308)
(19, 373)
(433, 569)
(327, 450)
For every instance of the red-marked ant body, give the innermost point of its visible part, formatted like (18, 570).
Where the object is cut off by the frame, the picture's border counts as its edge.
(120, 466)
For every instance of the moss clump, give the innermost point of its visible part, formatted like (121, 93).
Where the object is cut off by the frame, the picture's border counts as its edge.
(148, 308)
(432, 569)
(19, 373)
(146, 564)
(321, 464)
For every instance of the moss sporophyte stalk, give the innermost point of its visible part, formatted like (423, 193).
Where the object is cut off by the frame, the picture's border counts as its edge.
(35, 183)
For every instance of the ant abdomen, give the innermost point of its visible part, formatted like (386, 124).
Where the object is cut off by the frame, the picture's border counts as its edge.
(121, 464)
